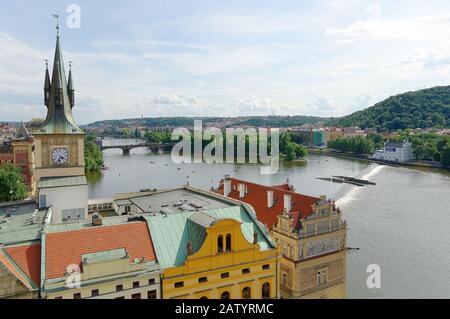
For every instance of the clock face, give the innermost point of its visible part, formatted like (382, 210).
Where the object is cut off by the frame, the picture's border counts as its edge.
(60, 156)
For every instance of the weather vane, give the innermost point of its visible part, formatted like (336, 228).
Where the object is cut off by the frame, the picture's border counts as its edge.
(56, 16)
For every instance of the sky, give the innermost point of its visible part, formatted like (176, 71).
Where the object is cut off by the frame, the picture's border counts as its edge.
(222, 58)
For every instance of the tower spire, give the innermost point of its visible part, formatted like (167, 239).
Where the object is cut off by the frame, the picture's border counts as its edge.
(70, 87)
(59, 102)
(47, 86)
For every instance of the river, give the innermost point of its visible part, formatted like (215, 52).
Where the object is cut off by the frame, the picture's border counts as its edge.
(402, 224)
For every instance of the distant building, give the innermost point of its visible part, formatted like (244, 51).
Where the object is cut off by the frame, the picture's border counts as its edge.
(395, 152)
(310, 235)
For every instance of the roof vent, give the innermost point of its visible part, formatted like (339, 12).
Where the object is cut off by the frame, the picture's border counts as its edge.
(96, 219)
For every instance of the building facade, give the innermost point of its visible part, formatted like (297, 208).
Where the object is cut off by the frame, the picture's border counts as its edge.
(313, 250)
(395, 152)
(310, 235)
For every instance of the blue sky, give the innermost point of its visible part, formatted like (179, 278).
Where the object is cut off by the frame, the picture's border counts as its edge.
(223, 58)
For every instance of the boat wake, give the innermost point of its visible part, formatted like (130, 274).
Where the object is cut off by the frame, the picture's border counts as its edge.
(348, 192)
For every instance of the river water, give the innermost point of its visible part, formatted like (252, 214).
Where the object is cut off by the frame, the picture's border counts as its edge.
(402, 224)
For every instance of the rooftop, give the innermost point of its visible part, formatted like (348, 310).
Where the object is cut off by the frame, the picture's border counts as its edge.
(21, 223)
(51, 182)
(171, 201)
(171, 233)
(256, 196)
(28, 260)
(69, 247)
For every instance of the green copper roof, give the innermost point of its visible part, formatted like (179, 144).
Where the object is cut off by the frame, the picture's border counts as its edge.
(51, 182)
(102, 256)
(172, 232)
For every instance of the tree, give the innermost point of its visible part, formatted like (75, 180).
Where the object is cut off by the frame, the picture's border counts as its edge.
(445, 156)
(12, 187)
(125, 132)
(290, 151)
(300, 151)
(93, 156)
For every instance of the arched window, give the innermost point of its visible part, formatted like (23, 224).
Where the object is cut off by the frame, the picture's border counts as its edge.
(225, 295)
(228, 242)
(265, 291)
(204, 297)
(246, 293)
(220, 244)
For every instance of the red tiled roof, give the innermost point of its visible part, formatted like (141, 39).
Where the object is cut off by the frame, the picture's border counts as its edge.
(28, 258)
(257, 197)
(65, 248)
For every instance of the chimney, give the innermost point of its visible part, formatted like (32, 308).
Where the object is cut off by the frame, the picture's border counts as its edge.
(269, 199)
(96, 219)
(241, 190)
(226, 187)
(287, 203)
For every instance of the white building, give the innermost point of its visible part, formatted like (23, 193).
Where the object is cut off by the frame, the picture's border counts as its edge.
(395, 152)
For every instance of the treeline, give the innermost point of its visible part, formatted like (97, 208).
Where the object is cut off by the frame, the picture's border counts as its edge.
(356, 145)
(93, 156)
(256, 121)
(418, 109)
(427, 146)
(287, 148)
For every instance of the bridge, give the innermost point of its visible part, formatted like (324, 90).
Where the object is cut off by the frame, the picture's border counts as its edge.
(126, 148)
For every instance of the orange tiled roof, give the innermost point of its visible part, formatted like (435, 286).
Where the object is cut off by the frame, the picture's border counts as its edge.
(65, 248)
(28, 258)
(257, 197)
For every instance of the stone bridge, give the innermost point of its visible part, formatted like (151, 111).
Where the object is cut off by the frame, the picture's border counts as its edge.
(154, 147)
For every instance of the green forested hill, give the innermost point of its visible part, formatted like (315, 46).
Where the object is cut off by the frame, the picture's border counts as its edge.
(418, 109)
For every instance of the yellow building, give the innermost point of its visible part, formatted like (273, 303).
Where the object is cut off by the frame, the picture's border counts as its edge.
(313, 250)
(208, 246)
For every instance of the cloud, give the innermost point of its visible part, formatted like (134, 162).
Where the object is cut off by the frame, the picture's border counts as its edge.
(375, 28)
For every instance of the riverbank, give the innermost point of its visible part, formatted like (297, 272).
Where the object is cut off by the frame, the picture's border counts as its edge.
(417, 163)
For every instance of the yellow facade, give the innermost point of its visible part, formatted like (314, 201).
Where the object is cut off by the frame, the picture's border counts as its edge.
(240, 270)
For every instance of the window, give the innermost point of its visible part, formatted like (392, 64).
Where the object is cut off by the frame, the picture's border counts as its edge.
(266, 267)
(225, 295)
(284, 278)
(95, 293)
(120, 297)
(151, 282)
(322, 277)
(119, 287)
(225, 275)
(204, 297)
(228, 242)
(202, 280)
(136, 296)
(151, 294)
(127, 209)
(265, 291)
(179, 284)
(77, 296)
(59, 297)
(220, 244)
(246, 293)
(135, 284)
(245, 271)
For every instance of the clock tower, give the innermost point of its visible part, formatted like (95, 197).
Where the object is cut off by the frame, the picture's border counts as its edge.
(59, 148)
(59, 141)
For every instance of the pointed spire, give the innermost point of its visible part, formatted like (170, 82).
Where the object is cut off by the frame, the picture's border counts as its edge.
(59, 118)
(70, 87)
(47, 85)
